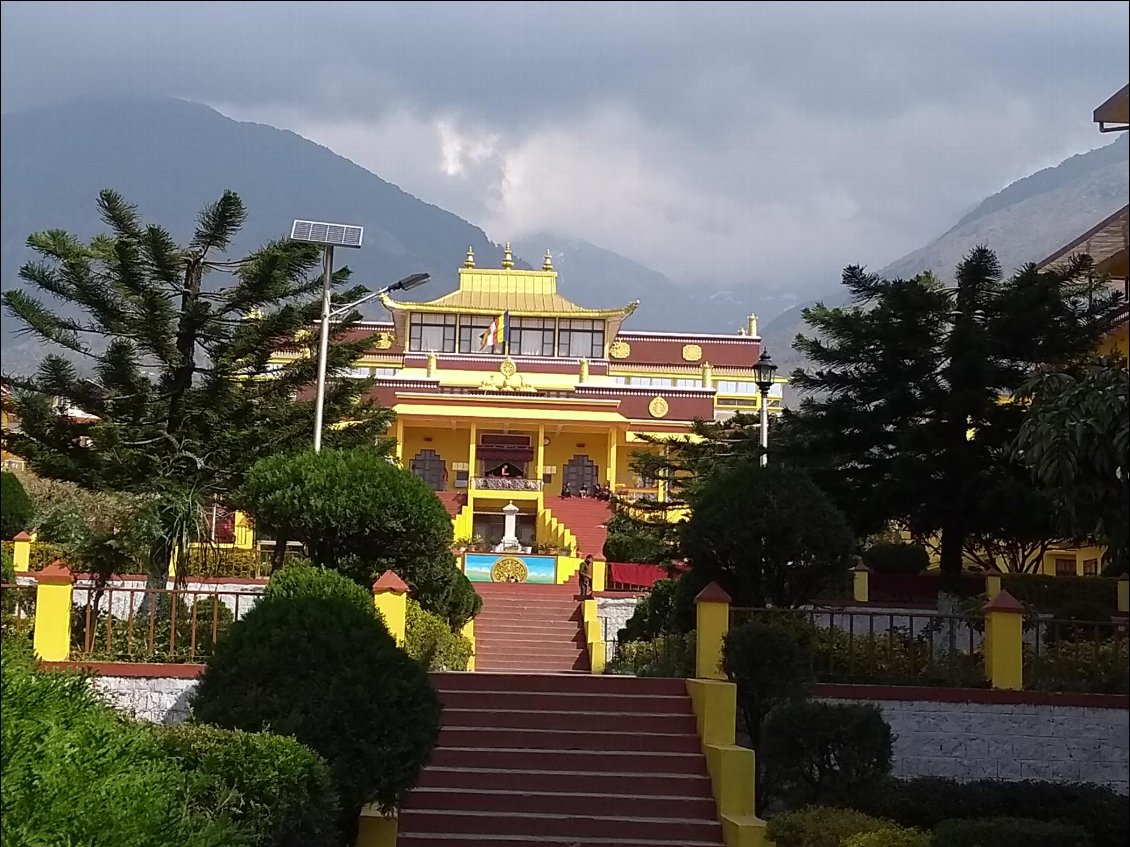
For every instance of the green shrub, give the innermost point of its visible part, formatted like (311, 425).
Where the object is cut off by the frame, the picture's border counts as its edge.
(1059, 594)
(205, 560)
(671, 655)
(887, 557)
(1101, 667)
(272, 787)
(189, 635)
(304, 581)
(896, 658)
(925, 801)
(16, 511)
(325, 670)
(896, 836)
(821, 826)
(815, 752)
(74, 773)
(768, 659)
(631, 540)
(654, 614)
(1009, 832)
(430, 641)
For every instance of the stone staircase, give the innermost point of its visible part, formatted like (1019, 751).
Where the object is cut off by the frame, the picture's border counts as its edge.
(531, 628)
(585, 518)
(562, 759)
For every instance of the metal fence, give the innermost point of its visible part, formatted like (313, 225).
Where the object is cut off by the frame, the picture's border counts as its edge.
(1077, 656)
(17, 607)
(886, 648)
(132, 624)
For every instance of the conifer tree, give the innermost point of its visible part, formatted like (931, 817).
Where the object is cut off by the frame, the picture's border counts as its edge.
(908, 416)
(165, 350)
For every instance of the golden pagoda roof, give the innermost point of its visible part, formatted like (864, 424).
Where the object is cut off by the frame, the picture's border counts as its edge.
(523, 293)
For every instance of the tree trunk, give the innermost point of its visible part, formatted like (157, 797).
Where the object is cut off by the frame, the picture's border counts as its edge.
(953, 544)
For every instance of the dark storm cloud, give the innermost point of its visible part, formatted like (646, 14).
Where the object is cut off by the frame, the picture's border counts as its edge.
(668, 132)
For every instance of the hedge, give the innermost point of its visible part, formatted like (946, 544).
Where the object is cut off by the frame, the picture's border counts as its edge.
(821, 826)
(895, 836)
(272, 787)
(1009, 832)
(16, 510)
(1099, 667)
(887, 557)
(235, 562)
(925, 801)
(665, 656)
(431, 642)
(1058, 595)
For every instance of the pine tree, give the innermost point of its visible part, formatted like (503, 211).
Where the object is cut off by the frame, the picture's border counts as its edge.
(173, 374)
(908, 415)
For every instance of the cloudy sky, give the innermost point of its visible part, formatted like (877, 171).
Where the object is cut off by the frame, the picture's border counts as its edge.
(762, 144)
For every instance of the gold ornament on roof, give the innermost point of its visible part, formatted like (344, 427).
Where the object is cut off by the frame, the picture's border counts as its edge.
(384, 340)
(619, 349)
(658, 407)
(469, 262)
(507, 258)
(508, 368)
(507, 567)
(303, 335)
(507, 379)
(547, 262)
(691, 352)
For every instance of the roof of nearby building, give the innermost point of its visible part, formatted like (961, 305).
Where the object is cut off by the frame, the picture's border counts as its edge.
(1105, 243)
(1116, 110)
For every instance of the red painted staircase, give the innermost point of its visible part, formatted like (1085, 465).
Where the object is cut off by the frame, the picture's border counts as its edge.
(562, 759)
(585, 518)
(453, 501)
(526, 627)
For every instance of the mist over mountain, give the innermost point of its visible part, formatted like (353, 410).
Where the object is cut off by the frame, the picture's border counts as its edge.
(1025, 222)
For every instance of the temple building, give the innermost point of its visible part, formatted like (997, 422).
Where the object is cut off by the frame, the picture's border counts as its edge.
(506, 392)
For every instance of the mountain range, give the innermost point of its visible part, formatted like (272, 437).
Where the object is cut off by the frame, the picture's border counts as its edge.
(171, 157)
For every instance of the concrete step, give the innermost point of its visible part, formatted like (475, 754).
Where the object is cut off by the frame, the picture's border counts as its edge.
(520, 665)
(536, 701)
(549, 720)
(581, 737)
(506, 779)
(598, 761)
(436, 839)
(683, 830)
(602, 685)
(565, 802)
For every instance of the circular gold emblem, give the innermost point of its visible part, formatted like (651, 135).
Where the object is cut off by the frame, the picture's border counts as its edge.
(691, 352)
(658, 407)
(508, 368)
(508, 567)
(619, 349)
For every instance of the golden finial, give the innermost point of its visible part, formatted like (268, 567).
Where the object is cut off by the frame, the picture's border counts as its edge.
(469, 262)
(547, 262)
(752, 325)
(507, 258)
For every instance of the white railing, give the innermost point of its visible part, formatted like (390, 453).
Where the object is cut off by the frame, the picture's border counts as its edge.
(506, 483)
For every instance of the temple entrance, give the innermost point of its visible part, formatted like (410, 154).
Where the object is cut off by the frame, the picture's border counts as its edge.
(580, 474)
(429, 466)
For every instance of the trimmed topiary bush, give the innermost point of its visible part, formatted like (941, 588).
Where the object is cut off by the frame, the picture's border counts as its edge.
(272, 787)
(429, 640)
(896, 836)
(925, 801)
(1009, 832)
(302, 580)
(887, 557)
(815, 752)
(16, 511)
(821, 826)
(768, 659)
(75, 773)
(323, 669)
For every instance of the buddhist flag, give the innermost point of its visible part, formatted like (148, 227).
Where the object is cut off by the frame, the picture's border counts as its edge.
(497, 332)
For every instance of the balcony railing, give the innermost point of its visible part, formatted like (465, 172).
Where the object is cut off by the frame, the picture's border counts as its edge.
(506, 483)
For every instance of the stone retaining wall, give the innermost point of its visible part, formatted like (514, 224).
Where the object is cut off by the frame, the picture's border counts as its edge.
(1060, 738)
(158, 699)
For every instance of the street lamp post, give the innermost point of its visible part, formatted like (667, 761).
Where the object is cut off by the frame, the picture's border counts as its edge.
(763, 372)
(328, 236)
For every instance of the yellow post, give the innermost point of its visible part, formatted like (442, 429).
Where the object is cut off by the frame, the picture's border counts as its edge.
(244, 532)
(375, 829)
(1124, 594)
(21, 552)
(400, 442)
(594, 638)
(469, 633)
(712, 611)
(599, 574)
(472, 465)
(390, 596)
(1004, 646)
(992, 585)
(860, 583)
(613, 457)
(54, 603)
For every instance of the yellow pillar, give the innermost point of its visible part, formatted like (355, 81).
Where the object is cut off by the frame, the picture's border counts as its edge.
(613, 457)
(400, 442)
(54, 603)
(1004, 645)
(712, 611)
(472, 465)
(860, 583)
(540, 468)
(1124, 594)
(468, 632)
(244, 532)
(390, 596)
(992, 585)
(594, 638)
(21, 552)
(375, 829)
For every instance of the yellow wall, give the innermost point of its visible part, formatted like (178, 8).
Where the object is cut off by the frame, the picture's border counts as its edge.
(1117, 341)
(452, 445)
(563, 446)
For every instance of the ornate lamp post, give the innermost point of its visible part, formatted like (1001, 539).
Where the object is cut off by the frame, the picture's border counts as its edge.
(763, 372)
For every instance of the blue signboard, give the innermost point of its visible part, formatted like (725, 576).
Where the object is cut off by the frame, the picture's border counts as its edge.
(509, 567)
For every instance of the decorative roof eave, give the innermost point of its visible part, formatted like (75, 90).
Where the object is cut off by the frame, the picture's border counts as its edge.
(1114, 114)
(1103, 242)
(439, 307)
